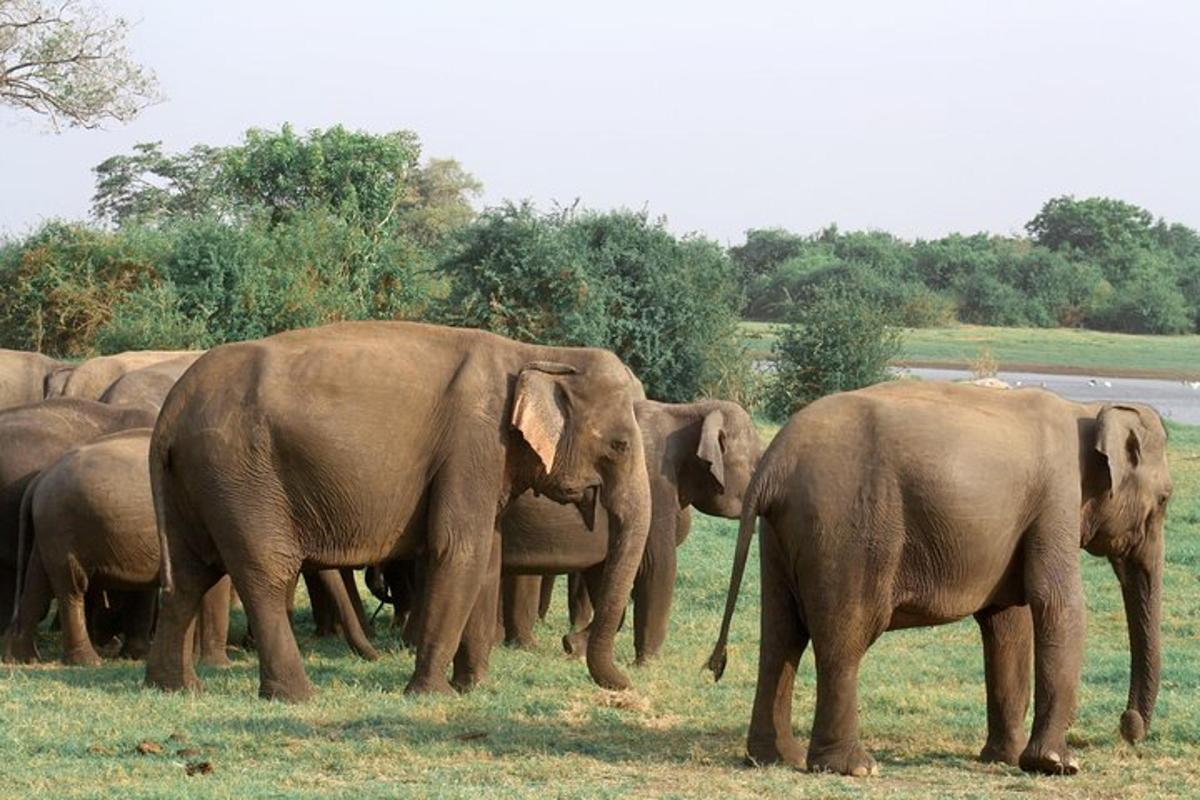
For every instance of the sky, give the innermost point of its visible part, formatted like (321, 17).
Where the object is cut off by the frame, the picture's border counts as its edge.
(917, 117)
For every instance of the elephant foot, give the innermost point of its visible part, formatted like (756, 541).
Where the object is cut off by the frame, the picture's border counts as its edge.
(82, 658)
(428, 684)
(467, 681)
(575, 644)
(365, 651)
(854, 761)
(134, 651)
(286, 691)
(1002, 752)
(644, 659)
(1048, 759)
(763, 754)
(155, 679)
(217, 658)
(521, 643)
(20, 651)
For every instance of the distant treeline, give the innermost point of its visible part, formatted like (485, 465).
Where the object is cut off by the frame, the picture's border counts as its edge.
(1098, 263)
(287, 230)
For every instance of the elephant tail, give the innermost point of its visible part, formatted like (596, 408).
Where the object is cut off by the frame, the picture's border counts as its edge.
(160, 462)
(24, 544)
(750, 510)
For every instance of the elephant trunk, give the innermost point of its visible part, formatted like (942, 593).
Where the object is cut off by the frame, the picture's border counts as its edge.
(1141, 575)
(628, 505)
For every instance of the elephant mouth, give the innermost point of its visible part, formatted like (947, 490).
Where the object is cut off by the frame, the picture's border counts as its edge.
(587, 506)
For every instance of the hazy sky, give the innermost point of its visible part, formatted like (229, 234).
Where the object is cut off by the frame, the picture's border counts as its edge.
(915, 117)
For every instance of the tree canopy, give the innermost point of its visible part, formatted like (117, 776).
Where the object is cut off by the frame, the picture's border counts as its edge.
(67, 62)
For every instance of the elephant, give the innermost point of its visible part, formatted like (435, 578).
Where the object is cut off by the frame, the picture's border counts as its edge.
(87, 522)
(23, 377)
(34, 437)
(147, 385)
(916, 503)
(359, 442)
(90, 379)
(698, 454)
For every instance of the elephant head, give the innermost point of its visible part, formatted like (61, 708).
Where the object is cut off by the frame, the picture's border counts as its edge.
(727, 452)
(1124, 510)
(579, 423)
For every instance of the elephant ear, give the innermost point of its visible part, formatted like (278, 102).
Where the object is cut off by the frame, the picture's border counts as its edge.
(712, 445)
(539, 412)
(1118, 441)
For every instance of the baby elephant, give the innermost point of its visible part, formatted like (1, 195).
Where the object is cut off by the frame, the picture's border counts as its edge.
(919, 503)
(87, 521)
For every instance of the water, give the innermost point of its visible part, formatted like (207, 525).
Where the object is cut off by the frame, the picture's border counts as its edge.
(1174, 400)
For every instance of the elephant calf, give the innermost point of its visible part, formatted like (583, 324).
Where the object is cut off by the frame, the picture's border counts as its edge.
(919, 503)
(87, 522)
(697, 454)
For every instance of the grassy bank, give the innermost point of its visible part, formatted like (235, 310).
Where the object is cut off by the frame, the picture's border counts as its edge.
(1034, 350)
(540, 728)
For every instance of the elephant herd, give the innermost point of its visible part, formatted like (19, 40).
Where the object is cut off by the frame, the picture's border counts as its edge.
(464, 470)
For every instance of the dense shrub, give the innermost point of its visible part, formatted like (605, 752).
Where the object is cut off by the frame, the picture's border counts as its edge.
(835, 342)
(667, 305)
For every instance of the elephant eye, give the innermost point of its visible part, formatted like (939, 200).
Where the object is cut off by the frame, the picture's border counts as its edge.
(619, 445)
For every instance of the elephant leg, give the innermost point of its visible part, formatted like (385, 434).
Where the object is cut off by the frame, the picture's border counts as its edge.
(521, 594)
(1054, 589)
(35, 604)
(575, 643)
(76, 644)
(546, 595)
(479, 635)
(351, 587)
(8, 594)
(1007, 651)
(324, 608)
(579, 603)
(138, 624)
(280, 670)
(411, 634)
(333, 587)
(834, 745)
(653, 589)
(461, 531)
(782, 641)
(169, 665)
(214, 624)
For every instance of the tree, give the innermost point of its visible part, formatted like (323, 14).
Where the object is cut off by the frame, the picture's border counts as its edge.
(67, 61)
(149, 186)
(835, 342)
(1095, 226)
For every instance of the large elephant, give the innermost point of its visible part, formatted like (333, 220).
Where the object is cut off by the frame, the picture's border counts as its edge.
(356, 443)
(697, 454)
(23, 377)
(147, 385)
(87, 522)
(33, 438)
(918, 503)
(90, 379)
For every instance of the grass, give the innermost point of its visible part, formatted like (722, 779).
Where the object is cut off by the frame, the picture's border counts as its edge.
(1033, 350)
(540, 728)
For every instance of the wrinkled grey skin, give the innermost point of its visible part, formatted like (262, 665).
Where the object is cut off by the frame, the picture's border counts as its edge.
(147, 386)
(90, 379)
(698, 455)
(23, 377)
(34, 437)
(357, 443)
(87, 523)
(918, 503)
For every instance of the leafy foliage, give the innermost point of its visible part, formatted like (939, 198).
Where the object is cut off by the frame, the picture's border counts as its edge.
(1097, 262)
(835, 342)
(67, 62)
(618, 280)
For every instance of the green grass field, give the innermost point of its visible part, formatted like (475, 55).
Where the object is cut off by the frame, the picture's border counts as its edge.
(540, 728)
(1034, 349)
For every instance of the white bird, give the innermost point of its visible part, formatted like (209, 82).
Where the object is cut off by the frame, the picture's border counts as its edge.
(1195, 385)
(1018, 384)
(1108, 384)
(1091, 381)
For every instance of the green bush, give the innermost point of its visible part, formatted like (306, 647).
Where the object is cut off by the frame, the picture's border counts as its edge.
(667, 305)
(835, 342)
